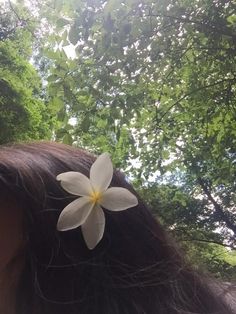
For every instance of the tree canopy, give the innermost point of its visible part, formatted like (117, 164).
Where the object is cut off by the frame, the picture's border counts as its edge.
(22, 110)
(155, 81)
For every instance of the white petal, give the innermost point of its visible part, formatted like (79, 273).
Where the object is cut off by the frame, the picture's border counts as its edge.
(75, 214)
(117, 198)
(93, 228)
(75, 183)
(101, 173)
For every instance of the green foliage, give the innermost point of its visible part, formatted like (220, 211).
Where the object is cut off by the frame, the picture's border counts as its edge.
(212, 258)
(23, 114)
(189, 220)
(159, 77)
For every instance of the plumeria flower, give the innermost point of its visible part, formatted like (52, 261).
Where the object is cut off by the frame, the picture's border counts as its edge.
(87, 211)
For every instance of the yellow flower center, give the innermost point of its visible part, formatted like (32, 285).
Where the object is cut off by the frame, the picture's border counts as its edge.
(96, 197)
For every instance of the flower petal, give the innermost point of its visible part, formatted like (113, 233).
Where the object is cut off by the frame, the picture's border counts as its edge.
(93, 228)
(117, 199)
(75, 183)
(101, 173)
(75, 214)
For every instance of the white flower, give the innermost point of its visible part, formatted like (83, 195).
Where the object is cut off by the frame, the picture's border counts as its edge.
(86, 211)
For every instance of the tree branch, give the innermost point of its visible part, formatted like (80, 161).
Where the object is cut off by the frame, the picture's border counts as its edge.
(209, 241)
(222, 215)
(219, 31)
(14, 11)
(218, 209)
(193, 92)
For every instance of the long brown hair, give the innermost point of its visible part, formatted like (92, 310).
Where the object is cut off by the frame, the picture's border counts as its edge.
(135, 269)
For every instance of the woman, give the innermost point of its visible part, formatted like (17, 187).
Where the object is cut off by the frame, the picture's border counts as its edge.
(50, 263)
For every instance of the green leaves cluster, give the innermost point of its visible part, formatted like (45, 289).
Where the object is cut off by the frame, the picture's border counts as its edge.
(22, 112)
(189, 220)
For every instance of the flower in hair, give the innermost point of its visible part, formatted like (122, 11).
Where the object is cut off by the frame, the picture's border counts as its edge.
(95, 193)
